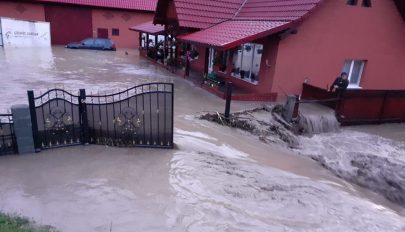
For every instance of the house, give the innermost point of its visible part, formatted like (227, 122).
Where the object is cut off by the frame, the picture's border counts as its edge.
(75, 20)
(268, 48)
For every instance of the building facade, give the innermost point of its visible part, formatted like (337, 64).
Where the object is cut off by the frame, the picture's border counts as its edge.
(75, 20)
(267, 49)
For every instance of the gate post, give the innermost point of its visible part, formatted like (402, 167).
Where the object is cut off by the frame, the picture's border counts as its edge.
(23, 129)
(83, 117)
(34, 123)
(228, 99)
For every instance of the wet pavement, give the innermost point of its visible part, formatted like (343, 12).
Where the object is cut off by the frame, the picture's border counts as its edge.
(216, 179)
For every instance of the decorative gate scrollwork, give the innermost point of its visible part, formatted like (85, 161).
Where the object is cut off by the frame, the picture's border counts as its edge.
(139, 116)
(58, 120)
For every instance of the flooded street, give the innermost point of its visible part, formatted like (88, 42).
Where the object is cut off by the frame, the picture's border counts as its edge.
(216, 178)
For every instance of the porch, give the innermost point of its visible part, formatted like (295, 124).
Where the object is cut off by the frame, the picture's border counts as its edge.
(218, 87)
(243, 59)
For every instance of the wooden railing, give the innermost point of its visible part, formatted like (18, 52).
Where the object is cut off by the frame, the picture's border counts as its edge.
(361, 106)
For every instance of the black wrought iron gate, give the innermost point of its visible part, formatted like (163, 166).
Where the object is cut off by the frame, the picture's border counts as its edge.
(56, 118)
(141, 116)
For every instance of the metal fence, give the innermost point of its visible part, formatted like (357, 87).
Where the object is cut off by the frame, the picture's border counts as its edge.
(141, 116)
(56, 119)
(361, 106)
(8, 143)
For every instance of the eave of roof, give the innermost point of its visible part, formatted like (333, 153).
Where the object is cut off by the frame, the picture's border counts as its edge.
(148, 27)
(401, 7)
(234, 32)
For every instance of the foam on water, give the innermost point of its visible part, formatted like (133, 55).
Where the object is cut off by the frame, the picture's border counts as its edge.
(369, 160)
(218, 189)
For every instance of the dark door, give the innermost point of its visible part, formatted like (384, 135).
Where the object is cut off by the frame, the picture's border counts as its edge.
(102, 33)
(69, 23)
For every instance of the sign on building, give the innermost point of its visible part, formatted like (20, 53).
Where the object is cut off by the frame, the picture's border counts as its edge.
(19, 33)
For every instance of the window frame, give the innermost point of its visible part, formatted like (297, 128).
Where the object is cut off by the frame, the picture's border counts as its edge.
(352, 2)
(349, 74)
(248, 79)
(366, 3)
(115, 31)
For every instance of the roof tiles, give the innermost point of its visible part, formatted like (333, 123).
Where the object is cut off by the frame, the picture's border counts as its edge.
(227, 23)
(144, 5)
(148, 27)
(205, 13)
(233, 32)
(284, 10)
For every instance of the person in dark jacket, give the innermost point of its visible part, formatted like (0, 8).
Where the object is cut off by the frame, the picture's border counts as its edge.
(340, 84)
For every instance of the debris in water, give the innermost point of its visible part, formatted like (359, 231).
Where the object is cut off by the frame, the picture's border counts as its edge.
(369, 161)
(259, 122)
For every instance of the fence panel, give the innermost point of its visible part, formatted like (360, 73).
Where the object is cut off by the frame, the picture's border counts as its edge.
(8, 144)
(359, 106)
(141, 116)
(56, 119)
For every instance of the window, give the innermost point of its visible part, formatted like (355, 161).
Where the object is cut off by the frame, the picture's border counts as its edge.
(151, 41)
(351, 2)
(161, 39)
(246, 61)
(194, 54)
(366, 3)
(354, 69)
(88, 42)
(143, 40)
(99, 42)
(115, 31)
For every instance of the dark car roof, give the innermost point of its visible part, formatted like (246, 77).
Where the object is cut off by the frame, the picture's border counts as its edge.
(103, 39)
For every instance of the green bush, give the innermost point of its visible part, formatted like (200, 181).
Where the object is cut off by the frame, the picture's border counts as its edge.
(18, 224)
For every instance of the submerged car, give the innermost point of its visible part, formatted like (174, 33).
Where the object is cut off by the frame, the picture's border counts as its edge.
(93, 43)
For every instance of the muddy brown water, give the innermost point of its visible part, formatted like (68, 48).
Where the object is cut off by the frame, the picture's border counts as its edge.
(96, 188)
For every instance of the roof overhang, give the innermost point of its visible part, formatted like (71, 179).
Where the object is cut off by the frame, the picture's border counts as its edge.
(401, 7)
(233, 33)
(149, 27)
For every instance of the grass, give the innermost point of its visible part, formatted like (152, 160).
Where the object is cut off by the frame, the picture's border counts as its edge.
(19, 224)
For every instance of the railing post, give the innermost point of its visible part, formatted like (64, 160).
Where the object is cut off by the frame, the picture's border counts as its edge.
(34, 123)
(83, 117)
(382, 109)
(228, 99)
(172, 120)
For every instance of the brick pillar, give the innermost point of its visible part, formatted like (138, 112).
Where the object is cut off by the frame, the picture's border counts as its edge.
(23, 128)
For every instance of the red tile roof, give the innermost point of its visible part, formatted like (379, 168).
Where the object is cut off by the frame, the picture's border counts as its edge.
(232, 33)
(240, 21)
(144, 5)
(202, 14)
(284, 10)
(148, 27)
(205, 13)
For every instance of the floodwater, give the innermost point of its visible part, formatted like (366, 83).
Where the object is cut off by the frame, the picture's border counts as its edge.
(216, 179)
(316, 119)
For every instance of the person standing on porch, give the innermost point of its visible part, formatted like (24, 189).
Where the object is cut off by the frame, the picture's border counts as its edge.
(340, 84)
